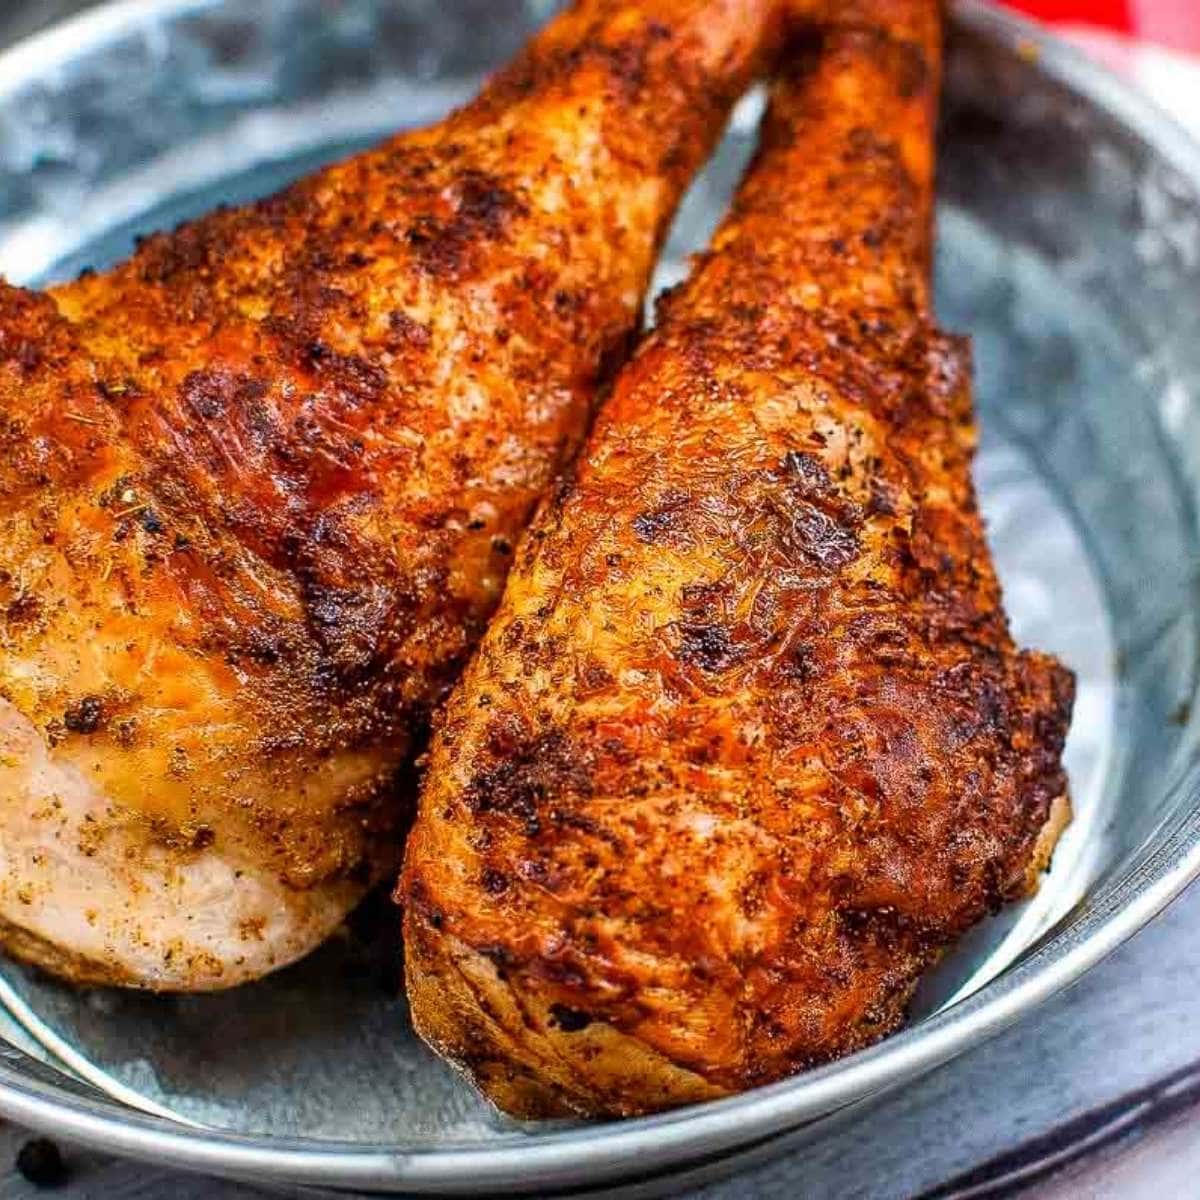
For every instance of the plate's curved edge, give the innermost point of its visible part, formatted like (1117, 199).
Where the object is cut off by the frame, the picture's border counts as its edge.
(33, 57)
(651, 1143)
(62, 1056)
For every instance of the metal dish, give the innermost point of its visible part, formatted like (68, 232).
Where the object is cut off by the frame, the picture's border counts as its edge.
(1070, 247)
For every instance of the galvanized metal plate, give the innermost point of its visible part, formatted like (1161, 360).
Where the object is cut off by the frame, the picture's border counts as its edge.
(1070, 249)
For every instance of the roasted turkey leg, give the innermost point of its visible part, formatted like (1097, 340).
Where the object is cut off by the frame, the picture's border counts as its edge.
(259, 489)
(748, 743)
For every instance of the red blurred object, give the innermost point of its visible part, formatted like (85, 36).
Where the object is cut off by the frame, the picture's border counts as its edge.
(1173, 23)
(1115, 14)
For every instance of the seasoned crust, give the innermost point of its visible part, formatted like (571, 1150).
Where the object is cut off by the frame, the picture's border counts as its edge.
(260, 484)
(748, 744)
(530, 1056)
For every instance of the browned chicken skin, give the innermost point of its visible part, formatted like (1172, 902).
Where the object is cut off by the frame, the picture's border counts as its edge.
(748, 743)
(259, 489)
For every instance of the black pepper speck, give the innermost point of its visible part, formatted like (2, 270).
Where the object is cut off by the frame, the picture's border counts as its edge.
(41, 1162)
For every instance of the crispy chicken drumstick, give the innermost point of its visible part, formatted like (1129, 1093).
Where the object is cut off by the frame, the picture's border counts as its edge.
(259, 488)
(748, 742)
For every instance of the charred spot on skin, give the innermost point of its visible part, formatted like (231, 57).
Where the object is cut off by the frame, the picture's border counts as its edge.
(661, 523)
(352, 372)
(494, 882)
(747, 314)
(627, 64)
(484, 200)
(188, 836)
(710, 647)
(300, 341)
(187, 250)
(882, 925)
(815, 524)
(594, 677)
(624, 63)
(23, 613)
(405, 331)
(821, 540)
(883, 501)
(983, 710)
(201, 837)
(567, 304)
(211, 394)
(569, 1020)
(85, 716)
(529, 774)
(125, 732)
(798, 665)
(262, 646)
(353, 625)
(205, 393)
(808, 472)
(483, 209)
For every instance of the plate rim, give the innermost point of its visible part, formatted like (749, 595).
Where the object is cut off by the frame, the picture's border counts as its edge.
(642, 1146)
